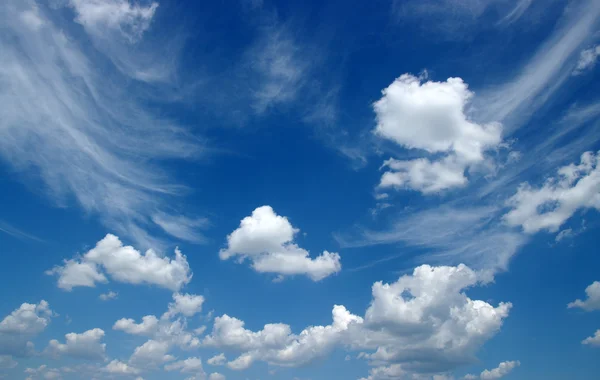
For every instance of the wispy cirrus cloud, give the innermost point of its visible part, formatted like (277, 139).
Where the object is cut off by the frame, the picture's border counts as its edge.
(95, 140)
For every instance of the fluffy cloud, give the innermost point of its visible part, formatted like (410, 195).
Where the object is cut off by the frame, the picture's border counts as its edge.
(151, 354)
(587, 59)
(217, 359)
(390, 372)
(593, 298)
(185, 304)
(147, 327)
(189, 365)
(423, 323)
(275, 343)
(547, 208)
(502, 370)
(119, 368)
(21, 325)
(216, 376)
(84, 346)
(124, 264)
(430, 116)
(267, 239)
(593, 340)
(108, 296)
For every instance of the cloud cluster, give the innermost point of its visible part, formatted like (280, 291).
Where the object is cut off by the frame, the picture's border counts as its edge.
(430, 116)
(124, 264)
(165, 333)
(550, 206)
(423, 323)
(21, 325)
(267, 240)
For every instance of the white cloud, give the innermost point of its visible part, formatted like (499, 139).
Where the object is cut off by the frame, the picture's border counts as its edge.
(390, 372)
(108, 296)
(131, 20)
(189, 365)
(216, 376)
(86, 345)
(28, 319)
(430, 116)
(151, 354)
(59, 96)
(423, 323)
(147, 327)
(423, 175)
(73, 274)
(21, 325)
(219, 359)
(587, 59)
(123, 264)
(593, 298)
(43, 371)
(275, 343)
(502, 370)
(549, 207)
(451, 326)
(119, 368)
(185, 304)
(267, 239)
(593, 340)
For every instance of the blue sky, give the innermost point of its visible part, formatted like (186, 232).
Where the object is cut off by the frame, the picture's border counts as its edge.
(248, 189)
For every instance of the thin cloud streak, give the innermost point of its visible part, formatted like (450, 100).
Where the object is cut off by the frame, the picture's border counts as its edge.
(513, 102)
(95, 142)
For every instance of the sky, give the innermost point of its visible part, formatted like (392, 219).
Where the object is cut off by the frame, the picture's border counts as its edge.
(299, 190)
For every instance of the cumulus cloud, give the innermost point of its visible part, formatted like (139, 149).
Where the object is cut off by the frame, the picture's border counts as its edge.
(216, 376)
(219, 359)
(185, 304)
(108, 296)
(423, 323)
(117, 367)
(587, 59)
(502, 370)
(550, 206)
(165, 333)
(275, 343)
(151, 354)
(86, 345)
(593, 298)
(189, 365)
(21, 325)
(124, 264)
(593, 340)
(267, 240)
(172, 332)
(75, 108)
(430, 116)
